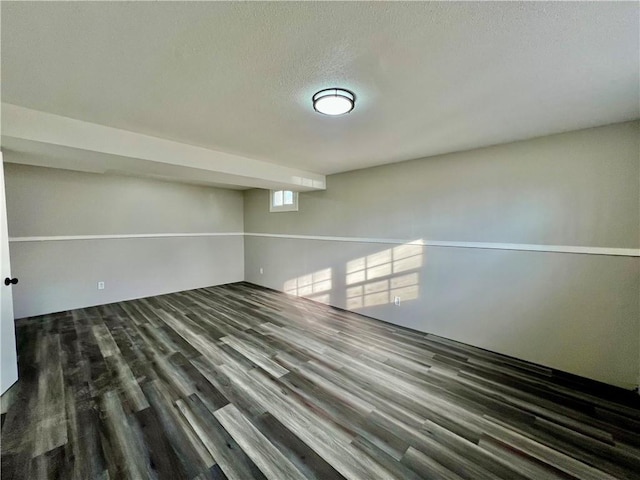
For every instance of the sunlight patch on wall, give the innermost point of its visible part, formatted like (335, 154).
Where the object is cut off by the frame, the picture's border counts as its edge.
(315, 286)
(378, 278)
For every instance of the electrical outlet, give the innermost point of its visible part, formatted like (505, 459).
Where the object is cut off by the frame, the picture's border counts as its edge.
(100, 285)
(396, 301)
(261, 270)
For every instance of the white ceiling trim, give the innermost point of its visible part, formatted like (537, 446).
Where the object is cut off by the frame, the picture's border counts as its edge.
(124, 152)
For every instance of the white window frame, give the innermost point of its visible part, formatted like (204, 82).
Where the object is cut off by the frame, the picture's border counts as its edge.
(283, 208)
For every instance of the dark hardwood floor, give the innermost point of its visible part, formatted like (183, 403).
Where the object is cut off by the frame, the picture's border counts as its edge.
(242, 382)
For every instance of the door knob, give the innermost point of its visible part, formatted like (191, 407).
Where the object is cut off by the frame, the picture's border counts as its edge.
(10, 281)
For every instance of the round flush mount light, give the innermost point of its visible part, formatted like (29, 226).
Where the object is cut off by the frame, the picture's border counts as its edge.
(334, 101)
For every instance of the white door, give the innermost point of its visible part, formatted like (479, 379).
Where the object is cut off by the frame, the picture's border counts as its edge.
(8, 357)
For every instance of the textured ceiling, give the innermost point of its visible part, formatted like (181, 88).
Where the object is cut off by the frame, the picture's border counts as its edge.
(431, 77)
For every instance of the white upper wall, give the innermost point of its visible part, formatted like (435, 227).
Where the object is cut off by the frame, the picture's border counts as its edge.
(578, 189)
(51, 202)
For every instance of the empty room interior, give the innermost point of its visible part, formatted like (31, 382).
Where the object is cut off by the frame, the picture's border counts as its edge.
(320, 240)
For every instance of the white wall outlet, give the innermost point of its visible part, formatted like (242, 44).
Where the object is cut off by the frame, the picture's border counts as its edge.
(100, 285)
(261, 270)
(396, 301)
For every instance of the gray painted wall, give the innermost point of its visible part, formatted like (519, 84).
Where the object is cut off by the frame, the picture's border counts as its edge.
(61, 275)
(575, 312)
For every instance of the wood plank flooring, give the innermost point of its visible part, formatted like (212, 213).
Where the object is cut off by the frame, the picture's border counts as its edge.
(240, 382)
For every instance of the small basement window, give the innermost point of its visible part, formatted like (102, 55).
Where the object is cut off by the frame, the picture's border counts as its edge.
(283, 201)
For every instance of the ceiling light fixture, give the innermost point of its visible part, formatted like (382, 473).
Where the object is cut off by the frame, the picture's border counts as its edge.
(334, 101)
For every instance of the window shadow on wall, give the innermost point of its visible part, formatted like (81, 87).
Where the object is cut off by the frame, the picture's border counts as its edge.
(371, 280)
(378, 278)
(314, 286)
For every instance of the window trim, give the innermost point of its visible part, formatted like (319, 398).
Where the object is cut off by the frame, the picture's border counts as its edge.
(283, 208)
